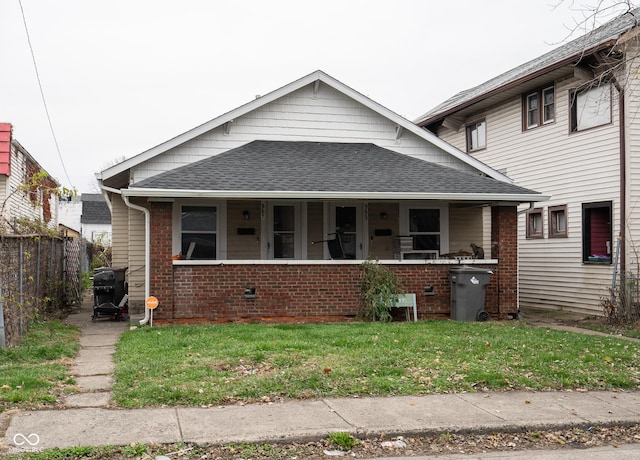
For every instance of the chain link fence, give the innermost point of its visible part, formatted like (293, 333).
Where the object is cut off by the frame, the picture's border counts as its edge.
(40, 277)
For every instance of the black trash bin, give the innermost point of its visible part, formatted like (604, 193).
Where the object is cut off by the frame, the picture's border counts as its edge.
(110, 297)
(467, 293)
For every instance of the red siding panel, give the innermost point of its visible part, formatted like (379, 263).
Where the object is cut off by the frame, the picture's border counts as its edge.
(5, 149)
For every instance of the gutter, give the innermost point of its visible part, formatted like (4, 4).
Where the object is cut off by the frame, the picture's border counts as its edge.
(147, 243)
(328, 195)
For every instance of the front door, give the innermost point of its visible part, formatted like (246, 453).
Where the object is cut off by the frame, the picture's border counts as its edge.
(347, 220)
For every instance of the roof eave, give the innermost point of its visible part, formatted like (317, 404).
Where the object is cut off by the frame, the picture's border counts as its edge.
(514, 83)
(332, 195)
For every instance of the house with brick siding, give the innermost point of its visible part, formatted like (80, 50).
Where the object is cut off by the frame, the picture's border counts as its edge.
(268, 211)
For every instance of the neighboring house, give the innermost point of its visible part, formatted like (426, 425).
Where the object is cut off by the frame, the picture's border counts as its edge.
(95, 219)
(71, 213)
(17, 168)
(68, 232)
(89, 214)
(227, 221)
(565, 124)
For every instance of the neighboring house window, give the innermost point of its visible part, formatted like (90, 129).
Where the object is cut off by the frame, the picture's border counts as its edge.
(534, 223)
(424, 227)
(596, 232)
(590, 107)
(476, 135)
(198, 239)
(558, 221)
(539, 108)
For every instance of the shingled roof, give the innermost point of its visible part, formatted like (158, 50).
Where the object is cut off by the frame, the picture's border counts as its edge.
(94, 209)
(570, 53)
(263, 168)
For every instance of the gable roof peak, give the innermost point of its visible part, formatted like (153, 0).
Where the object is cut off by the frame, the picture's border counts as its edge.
(261, 101)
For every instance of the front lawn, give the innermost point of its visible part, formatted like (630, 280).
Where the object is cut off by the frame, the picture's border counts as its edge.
(220, 364)
(36, 372)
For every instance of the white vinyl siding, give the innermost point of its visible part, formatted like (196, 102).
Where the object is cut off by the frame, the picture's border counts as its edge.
(119, 232)
(136, 263)
(632, 106)
(298, 116)
(466, 227)
(574, 168)
(17, 204)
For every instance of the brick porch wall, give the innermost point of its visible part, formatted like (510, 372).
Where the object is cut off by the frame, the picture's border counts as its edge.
(308, 291)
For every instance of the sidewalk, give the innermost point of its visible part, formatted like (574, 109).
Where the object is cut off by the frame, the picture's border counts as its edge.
(89, 420)
(313, 420)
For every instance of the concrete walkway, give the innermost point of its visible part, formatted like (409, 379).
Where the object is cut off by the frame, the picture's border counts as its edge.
(89, 420)
(94, 367)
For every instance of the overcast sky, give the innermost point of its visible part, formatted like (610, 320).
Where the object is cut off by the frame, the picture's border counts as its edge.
(122, 76)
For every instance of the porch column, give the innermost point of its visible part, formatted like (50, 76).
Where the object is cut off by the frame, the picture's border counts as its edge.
(161, 284)
(504, 247)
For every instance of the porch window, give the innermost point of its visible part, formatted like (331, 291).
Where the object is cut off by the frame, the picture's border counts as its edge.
(476, 135)
(424, 227)
(539, 108)
(558, 221)
(534, 223)
(590, 107)
(596, 232)
(198, 232)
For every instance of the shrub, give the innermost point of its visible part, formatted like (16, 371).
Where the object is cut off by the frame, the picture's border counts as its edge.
(379, 291)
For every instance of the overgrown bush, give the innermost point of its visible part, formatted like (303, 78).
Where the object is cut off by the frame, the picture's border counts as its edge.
(100, 252)
(623, 305)
(379, 291)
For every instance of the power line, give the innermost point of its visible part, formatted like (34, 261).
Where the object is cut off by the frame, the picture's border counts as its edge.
(44, 101)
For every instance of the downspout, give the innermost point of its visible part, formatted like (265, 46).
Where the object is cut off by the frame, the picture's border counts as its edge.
(531, 205)
(147, 244)
(623, 176)
(623, 182)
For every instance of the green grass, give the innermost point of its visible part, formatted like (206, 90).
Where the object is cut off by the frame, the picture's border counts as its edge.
(34, 373)
(632, 330)
(218, 364)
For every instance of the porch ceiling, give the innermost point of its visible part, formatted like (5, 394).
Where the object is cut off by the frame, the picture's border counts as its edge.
(325, 170)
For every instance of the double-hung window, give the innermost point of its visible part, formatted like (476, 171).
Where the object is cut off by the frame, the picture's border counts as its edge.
(198, 232)
(558, 221)
(539, 108)
(534, 223)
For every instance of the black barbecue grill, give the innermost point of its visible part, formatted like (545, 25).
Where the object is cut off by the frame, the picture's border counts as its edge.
(110, 297)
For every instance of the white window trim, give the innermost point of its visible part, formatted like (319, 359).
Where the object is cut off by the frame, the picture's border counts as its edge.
(543, 105)
(221, 225)
(300, 242)
(444, 221)
(362, 226)
(528, 110)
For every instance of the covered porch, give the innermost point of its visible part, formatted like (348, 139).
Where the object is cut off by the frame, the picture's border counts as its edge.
(266, 260)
